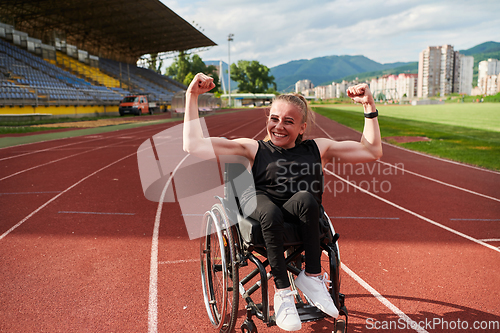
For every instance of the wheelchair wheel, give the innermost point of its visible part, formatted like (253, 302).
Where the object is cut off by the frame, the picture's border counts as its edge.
(334, 264)
(219, 271)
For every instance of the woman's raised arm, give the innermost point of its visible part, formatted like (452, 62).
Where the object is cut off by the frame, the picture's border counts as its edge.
(369, 148)
(193, 140)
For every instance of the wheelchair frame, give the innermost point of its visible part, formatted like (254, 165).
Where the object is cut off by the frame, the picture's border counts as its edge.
(223, 251)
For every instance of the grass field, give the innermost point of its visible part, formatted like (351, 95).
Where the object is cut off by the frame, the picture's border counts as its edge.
(483, 116)
(29, 126)
(468, 133)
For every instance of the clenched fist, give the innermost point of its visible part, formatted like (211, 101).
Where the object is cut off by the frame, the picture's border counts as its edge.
(201, 84)
(360, 94)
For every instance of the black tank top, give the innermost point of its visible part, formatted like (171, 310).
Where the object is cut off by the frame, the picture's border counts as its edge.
(280, 173)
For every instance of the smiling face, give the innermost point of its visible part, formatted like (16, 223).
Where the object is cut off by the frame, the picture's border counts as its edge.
(284, 124)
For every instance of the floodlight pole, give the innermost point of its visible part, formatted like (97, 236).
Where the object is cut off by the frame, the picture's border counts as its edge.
(229, 39)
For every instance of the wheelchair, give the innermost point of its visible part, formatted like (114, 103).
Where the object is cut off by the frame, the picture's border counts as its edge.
(232, 241)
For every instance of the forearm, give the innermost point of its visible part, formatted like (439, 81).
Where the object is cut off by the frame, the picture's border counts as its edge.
(192, 132)
(371, 133)
(192, 137)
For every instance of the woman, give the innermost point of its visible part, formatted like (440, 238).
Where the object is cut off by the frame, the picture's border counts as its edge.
(288, 182)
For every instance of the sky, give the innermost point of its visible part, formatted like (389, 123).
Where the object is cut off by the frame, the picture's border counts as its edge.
(275, 32)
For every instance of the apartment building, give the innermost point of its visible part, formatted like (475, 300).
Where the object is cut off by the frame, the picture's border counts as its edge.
(320, 92)
(395, 87)
(429, 71)
(334, 90)
(384, 87)
(341, 88)
(308, 92)
(442, 71)
(492, 84)
(407, 85)
(449, 71)
(466, 74)
(303, 85)
(486, 69)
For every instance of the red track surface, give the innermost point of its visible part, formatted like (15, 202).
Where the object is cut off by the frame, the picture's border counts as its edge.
(76, 239)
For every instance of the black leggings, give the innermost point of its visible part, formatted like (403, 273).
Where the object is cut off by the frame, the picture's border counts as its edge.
(302, 209)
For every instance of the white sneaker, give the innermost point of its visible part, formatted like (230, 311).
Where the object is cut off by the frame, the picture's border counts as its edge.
(287, 317)
(314, 287)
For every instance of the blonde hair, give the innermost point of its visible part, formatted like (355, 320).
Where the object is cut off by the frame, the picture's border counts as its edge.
(301, 103)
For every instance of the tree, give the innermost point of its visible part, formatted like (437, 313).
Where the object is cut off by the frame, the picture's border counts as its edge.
(380, 97)
(252, 77)
(184, 68)
(155, 63)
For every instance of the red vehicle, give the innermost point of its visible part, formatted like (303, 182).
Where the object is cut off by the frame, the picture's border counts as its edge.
(135, 104)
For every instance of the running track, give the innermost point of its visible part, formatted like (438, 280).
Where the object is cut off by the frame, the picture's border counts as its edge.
(421, 246)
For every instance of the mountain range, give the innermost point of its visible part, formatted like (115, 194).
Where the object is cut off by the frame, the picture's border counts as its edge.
(325, 70)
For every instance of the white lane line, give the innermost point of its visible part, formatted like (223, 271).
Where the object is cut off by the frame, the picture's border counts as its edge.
(61, 193)
(484, 220)
(85, 137)
(116, 144)
(429, 178)
(58, 160)
(153, 269)
(41, 150)
(94, 213)
(43, 192)
(256, 135)
(364, 217)
(419, 153)
(410, 323)
(490, 240)
(442, 183)
(416, 215)
(180, 261)
(57, 196)
(443, 159)
(244, 125)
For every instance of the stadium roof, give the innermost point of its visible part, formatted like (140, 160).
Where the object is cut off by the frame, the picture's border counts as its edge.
(116, 29)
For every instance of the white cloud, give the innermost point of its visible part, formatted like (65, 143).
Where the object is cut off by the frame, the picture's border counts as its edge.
(277, 31)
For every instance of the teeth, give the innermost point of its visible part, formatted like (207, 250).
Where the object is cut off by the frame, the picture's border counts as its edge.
(279, 135)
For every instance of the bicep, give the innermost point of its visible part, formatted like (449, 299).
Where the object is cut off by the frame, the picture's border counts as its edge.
(240, 147)
(343, 151)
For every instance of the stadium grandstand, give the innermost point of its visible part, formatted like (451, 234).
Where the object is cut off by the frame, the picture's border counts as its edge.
(75, 58)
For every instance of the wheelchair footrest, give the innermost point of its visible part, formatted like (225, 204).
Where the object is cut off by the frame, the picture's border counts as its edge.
(309, 313)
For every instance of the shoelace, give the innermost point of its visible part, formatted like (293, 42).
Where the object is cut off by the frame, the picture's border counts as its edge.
(325, 281)
(287, 299)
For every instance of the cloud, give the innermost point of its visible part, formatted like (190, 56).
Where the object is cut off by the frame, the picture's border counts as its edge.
(275, 32)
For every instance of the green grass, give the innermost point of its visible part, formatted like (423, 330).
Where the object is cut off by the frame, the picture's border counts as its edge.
(49, 121)
(9, 141)
(483, 116)
(20, 127)
(24, 129)
(460, 137)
